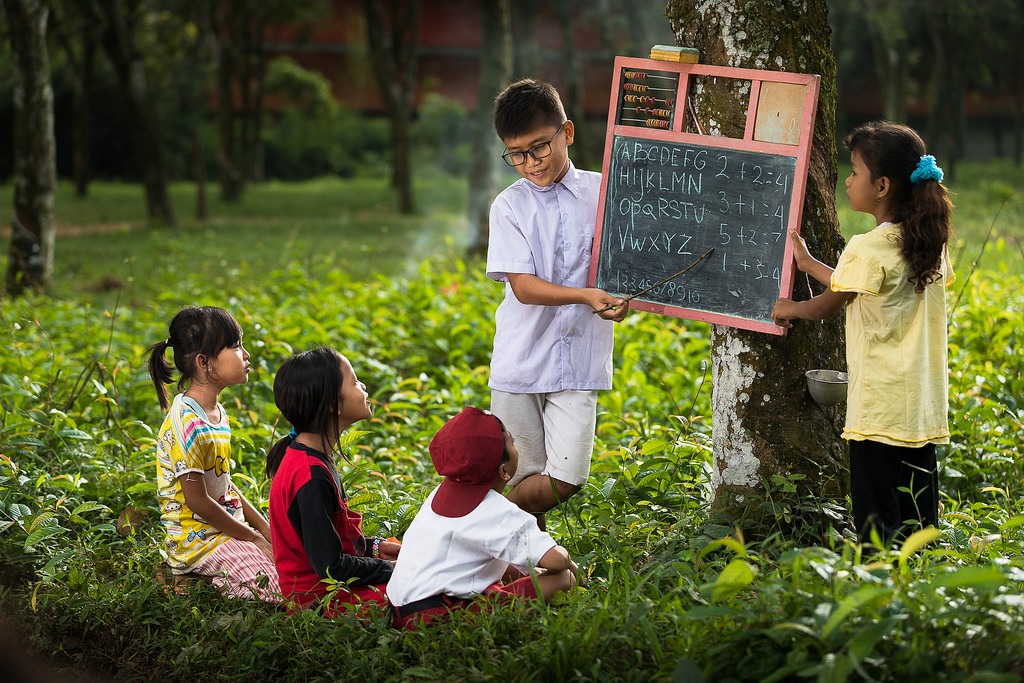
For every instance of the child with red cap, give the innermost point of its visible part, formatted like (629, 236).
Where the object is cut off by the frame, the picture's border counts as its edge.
(467, 535)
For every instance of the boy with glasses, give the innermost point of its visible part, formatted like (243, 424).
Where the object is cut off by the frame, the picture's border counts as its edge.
(551, 352)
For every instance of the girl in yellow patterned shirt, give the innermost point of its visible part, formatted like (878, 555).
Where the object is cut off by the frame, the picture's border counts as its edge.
(210, 529)
(892, 281)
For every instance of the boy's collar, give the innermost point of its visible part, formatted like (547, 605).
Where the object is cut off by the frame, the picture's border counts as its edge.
(570, 181)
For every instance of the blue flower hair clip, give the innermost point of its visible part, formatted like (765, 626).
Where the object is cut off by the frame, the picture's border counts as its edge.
(926, 169)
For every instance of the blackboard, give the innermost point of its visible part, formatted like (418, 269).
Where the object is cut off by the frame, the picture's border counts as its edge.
(668, 196)
(667, 203)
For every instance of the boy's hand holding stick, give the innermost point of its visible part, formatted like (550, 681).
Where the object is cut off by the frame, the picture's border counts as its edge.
(658, 283)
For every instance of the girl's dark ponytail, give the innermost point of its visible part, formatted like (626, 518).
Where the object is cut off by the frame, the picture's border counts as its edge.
(276, 454)
(926, 223)
(160, 370)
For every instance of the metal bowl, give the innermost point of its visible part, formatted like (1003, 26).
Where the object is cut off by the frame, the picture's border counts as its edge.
(827, 387)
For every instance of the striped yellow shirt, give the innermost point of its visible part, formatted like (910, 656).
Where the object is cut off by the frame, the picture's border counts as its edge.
(188, 442)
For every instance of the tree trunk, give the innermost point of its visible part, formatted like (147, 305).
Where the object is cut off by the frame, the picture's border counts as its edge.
(77, 36)
(35, 166)
(1017, 90)
(119, 42)
(885, 23)
(258, 76)
(495, 69)
(573, 95)
(945, 126)
(764, 423)
(199, 161)
(224, 18)
(393, 54)
(525, 52)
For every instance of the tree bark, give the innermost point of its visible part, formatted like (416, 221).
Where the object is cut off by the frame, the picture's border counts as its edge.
(225, 18)
(764, 423)
(77, 36)
(35, 166)
(394, 56)
(495, 69)
(119, 42)
(891, 51)
(573, 95)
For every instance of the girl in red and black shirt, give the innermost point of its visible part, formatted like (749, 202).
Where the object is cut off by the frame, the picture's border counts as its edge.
(319, 547)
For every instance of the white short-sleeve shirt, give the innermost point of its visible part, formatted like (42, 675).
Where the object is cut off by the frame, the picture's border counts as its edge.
(462, 556)
(547, 232)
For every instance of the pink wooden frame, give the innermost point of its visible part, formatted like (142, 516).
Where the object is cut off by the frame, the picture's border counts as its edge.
(801, 152)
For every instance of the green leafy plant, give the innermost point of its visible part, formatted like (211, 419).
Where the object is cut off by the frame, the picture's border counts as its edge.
(668, 592)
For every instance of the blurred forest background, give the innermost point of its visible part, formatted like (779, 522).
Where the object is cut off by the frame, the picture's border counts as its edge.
(239, 91)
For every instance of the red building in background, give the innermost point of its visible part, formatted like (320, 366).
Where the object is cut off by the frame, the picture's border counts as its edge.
(449, 44)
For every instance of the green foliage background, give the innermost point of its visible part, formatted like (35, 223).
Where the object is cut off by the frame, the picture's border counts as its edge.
(669, 593)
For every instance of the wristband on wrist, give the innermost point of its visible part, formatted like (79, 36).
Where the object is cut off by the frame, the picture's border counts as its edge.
(375, 550)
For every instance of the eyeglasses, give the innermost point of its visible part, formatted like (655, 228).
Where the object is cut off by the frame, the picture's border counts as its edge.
(537, 151)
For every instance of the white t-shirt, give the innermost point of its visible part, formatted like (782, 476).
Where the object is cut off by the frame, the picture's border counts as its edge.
(462, 556)
(895, 344)
(547, 232)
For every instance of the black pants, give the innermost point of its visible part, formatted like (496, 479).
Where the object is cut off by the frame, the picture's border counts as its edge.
(894, 489)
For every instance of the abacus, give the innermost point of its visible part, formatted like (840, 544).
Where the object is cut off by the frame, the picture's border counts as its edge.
(656, 89)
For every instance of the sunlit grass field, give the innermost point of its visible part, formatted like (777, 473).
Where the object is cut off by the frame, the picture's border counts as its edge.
(104, 241)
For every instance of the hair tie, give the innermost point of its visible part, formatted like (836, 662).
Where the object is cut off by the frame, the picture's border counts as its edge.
(292, 434)
(167, 343)
(926, 169)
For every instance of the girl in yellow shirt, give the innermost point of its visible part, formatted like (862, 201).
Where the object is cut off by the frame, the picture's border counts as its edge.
(892, 281)
(210, 529)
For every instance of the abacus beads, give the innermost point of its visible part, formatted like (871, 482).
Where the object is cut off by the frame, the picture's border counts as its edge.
(645, 99)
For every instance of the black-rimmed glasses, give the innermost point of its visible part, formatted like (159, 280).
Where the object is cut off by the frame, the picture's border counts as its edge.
(537, 151)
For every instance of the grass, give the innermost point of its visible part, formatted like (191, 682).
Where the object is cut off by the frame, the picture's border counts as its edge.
(669, 595)
(104, 243)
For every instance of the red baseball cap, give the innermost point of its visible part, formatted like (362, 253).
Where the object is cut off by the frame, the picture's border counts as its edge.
(467, 452)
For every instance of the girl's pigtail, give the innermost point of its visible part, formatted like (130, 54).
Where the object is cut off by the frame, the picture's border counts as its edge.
(160, 370)
(276, 453)
(927, 228)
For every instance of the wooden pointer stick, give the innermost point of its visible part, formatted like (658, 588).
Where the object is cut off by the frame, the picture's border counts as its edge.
(658, 283)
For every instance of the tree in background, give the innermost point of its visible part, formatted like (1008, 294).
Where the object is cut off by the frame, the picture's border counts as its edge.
(754, 442)
(121, 22)
(1011, 71)
(957, 58)
(187, 74)
(495, 70)
(35, 168)
(888, 23)
(79, 39)
(573, 92)
(932, 59)
(237, 28)
(239, 32)
(393, 51)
